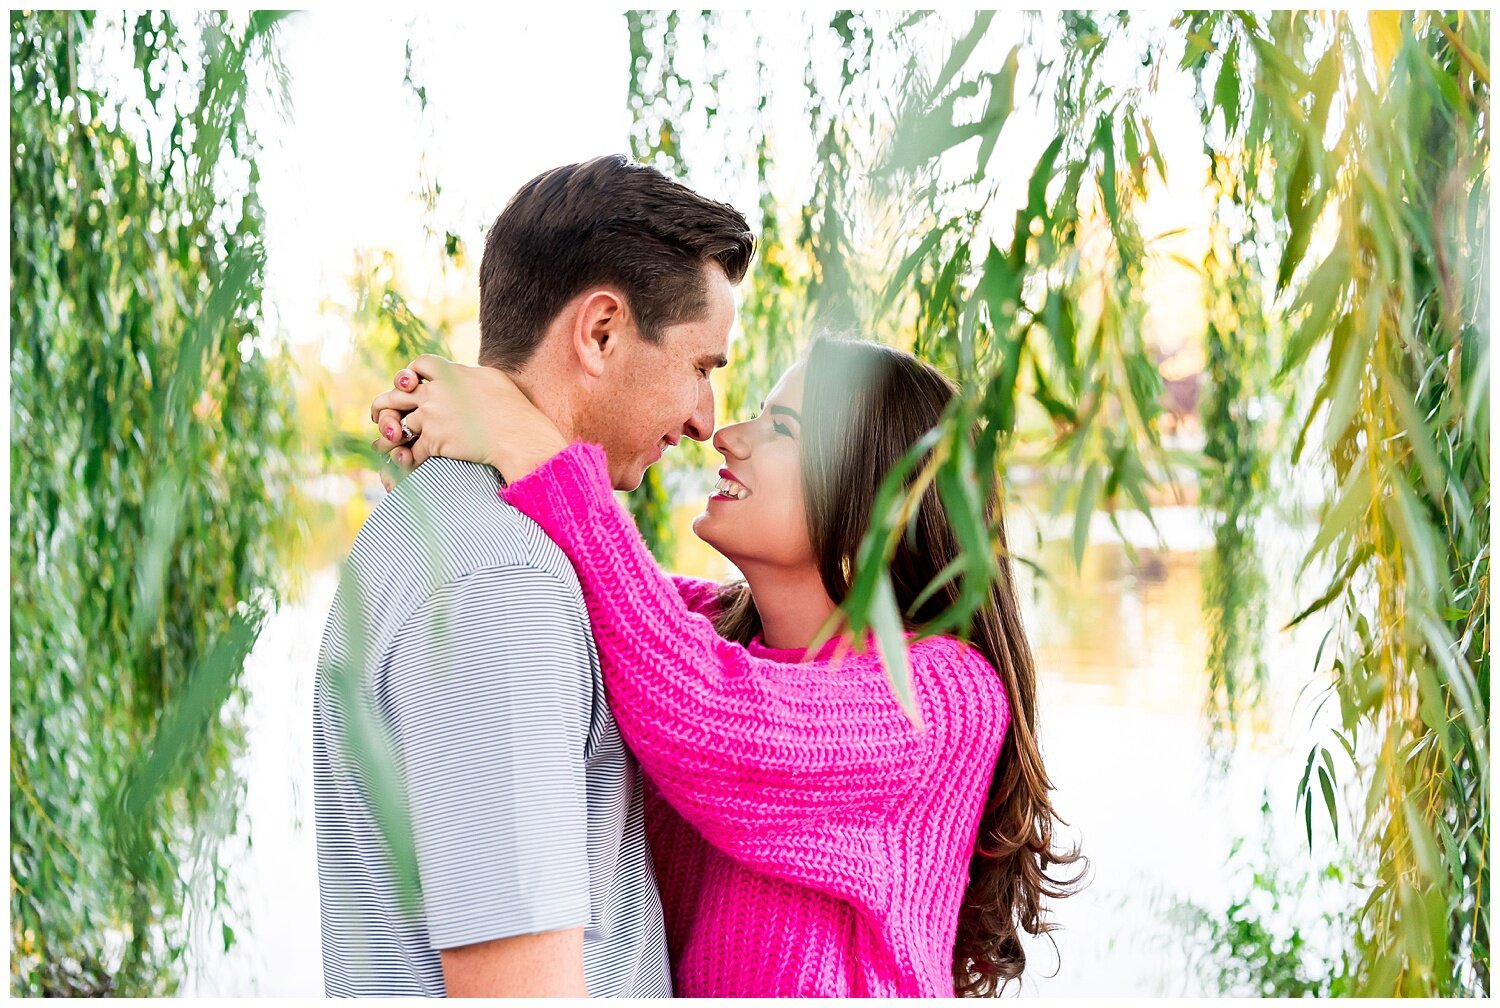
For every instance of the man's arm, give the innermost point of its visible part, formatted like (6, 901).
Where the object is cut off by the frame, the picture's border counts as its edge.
(549, 964)
(489, 686)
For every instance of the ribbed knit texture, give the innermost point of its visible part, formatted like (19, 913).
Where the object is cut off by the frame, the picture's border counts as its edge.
(809, 840)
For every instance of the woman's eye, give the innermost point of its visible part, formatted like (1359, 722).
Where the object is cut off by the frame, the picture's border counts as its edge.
(780, 428)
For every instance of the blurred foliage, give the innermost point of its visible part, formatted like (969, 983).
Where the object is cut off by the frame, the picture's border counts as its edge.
(1347, 349)
(658, 97)
(1388, 119)
(151, 506)
(1284, 933)
(1241, 421)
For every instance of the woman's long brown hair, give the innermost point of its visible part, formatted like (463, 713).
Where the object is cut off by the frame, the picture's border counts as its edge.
(864, 405)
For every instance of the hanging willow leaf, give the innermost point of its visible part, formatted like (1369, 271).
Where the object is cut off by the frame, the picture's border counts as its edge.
(890, 636)
(1300, 212)
(1320, 296)
(1041, 175)
(1088, 499)
(1104, 143)
(1001, 102)
(909, 265)
(1227, 87)
(958, 56)
(1327, 785)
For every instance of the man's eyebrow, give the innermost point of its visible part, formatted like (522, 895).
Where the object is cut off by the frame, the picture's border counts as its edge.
(786, 411)
(714, 362)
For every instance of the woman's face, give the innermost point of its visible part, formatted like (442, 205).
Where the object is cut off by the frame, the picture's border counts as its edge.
(757, 512)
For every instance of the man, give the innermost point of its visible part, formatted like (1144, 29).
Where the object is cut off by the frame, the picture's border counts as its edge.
(459, 631)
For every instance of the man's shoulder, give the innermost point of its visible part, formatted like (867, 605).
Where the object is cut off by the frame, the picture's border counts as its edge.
(443, 523)
(450, 513)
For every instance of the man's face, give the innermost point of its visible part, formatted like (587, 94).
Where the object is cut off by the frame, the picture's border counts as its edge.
(653, 395)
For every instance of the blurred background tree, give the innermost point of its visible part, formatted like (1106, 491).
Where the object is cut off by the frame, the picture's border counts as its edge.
(152, 515)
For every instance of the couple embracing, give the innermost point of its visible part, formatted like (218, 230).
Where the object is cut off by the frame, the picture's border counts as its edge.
(622, 782)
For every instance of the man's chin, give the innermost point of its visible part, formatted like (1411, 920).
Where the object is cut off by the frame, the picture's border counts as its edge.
(631, 480)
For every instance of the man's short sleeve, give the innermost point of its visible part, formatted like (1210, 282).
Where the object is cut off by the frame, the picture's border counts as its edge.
(489, 685)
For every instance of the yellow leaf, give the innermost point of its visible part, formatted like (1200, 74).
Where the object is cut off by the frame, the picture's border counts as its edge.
(1385, 39)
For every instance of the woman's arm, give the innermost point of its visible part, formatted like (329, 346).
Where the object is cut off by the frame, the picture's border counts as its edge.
(698, 595)
(744, 748)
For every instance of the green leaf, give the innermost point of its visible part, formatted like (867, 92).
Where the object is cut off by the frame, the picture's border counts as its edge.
(918, 255)
(1418, 434)
(1155, 151)
(1227, 87)
(1301, 214)
(1041, 175)
(1412, 920)
(950, 570)
(1088, 499)
(1327, 785)
(1062, 331)
(1055, 407)
(1324, 83)
(1348, 373)
(1104, 143)
(1000, 286)
(959, 55)
(1336, 587)
(890, 637)
(1307, 817)
(1352, 506)
(1131, 138)
(1320, 296)
(998, 109)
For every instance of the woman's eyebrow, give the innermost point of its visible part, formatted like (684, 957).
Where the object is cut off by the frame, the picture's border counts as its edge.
(787, 411)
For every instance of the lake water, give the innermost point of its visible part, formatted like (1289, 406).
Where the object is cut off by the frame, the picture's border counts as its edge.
(1120, 652)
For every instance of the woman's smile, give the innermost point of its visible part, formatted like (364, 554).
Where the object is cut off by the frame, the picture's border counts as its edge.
(729, 487)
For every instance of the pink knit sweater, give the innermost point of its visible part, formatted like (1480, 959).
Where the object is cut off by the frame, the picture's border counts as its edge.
(808, 839)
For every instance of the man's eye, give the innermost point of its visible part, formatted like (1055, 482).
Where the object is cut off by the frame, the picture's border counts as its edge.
(703, 372)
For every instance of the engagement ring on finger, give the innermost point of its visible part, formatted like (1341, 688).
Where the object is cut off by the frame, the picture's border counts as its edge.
(410, 436)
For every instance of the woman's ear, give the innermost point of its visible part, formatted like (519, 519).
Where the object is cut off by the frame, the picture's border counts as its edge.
(601, 321)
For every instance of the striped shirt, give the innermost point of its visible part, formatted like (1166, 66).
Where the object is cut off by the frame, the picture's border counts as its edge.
(459, 635)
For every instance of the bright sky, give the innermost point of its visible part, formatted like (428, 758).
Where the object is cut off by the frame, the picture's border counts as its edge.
(515, 93)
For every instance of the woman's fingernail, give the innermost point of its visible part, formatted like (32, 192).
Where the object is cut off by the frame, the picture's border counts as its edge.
(390, 433)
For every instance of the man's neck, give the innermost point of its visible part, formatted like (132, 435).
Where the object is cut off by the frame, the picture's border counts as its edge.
(793, 604)
(552, 401)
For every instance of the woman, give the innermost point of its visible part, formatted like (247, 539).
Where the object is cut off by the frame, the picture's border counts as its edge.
(810, 838)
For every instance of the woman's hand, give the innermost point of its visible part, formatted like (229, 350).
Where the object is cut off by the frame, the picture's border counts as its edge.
(472, 413)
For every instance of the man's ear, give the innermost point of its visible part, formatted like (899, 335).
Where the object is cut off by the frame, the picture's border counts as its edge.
(601, 321)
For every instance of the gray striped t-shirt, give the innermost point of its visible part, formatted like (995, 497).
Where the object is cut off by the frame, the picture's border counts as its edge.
(459, 632)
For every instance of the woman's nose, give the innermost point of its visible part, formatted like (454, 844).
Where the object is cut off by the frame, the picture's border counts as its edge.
(729, 440)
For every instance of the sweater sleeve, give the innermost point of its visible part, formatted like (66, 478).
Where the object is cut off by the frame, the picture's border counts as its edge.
(698, 595)
(752, 752)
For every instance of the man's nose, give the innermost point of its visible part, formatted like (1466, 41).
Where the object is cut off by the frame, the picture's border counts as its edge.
(700, 426)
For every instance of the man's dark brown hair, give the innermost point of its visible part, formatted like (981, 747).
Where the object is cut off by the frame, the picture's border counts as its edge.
(609, 221)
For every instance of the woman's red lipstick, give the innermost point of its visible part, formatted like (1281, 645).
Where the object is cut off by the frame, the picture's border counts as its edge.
(725, 474)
